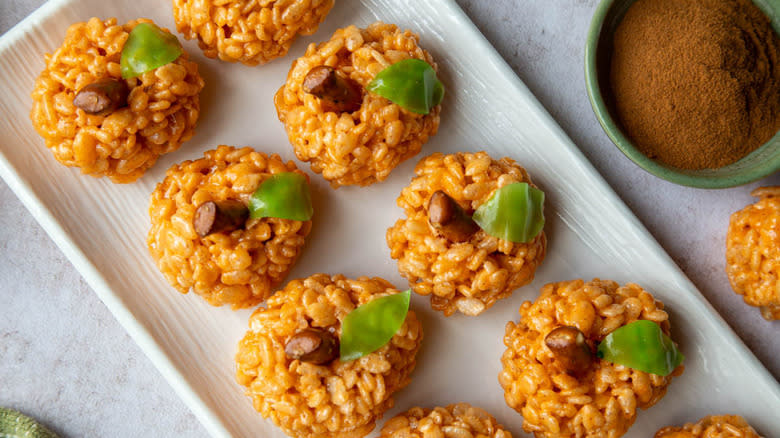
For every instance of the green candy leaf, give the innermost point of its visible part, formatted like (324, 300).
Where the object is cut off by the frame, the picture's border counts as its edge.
(147, 48)
(372, 325)
(411, 83)
(643, 346)
(284, 195)
(514, 212)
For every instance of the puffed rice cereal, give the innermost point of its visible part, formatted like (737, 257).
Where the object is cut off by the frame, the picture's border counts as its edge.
(250, 31)
(362, 147)
(753, 252)
(241, 267)
(600, 402)
(713, 426)
(470, 276)
(163, 104)
(456, 421)
(336, 399)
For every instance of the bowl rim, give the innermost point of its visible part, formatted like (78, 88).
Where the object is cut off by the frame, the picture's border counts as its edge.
(612, 128)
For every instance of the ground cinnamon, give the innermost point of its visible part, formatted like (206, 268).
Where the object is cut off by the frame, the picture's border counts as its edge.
(696, 83)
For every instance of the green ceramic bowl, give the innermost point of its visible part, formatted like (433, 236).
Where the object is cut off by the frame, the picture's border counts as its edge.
(598, 52)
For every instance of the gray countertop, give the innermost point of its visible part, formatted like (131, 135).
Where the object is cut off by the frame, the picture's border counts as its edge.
(65, 360)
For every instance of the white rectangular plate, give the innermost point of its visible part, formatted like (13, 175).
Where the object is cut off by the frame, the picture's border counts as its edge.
(102, 227)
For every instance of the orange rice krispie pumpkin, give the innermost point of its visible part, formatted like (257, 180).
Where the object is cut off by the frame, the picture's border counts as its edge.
(601, 400)
(753, 252)
(458, 420)
(357, 146)
(712, 426)
(249, 31)
(240, 267)
(469, 275)
(333, 399)
(160, 111)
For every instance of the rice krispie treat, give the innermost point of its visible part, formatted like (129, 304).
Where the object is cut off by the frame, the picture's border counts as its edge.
(753, 252)
(233, 259)
(465, 270)
(350, 135)
(250, 31)
(289, 359)
(554, 378)
(93, 116)
(712, 426)
(458, 420)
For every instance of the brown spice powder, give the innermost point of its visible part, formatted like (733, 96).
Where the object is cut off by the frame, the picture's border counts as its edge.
(696, 82)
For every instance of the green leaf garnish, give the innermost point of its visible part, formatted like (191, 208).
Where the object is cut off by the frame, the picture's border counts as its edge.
(643, 346)
(411, 83)
(372, 325)
(147, 48)
(514, 212)
(284, 195)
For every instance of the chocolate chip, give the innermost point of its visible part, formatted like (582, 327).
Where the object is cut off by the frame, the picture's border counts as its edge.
(313, 345)
(216, 217)
(449, 219)
(102, 96)
(570, 348)
(337, 93)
